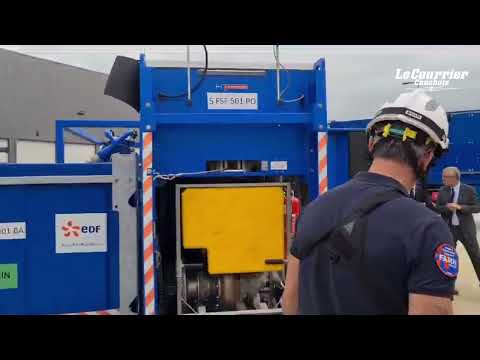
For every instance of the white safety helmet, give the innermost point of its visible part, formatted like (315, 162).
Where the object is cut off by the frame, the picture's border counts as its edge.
(417, 109)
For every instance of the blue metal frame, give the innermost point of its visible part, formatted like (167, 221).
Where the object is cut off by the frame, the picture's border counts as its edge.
(61, 125)
(187, 135)
(274, 132)
(13, 170)
(49, 282)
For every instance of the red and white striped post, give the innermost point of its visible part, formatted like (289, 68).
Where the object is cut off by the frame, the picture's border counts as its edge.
(148, 265)
(322, 163)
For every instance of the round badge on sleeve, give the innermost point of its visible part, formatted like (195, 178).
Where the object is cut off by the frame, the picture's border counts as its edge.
(446, 259)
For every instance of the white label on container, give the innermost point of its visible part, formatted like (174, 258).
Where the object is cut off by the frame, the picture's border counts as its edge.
(13, 231)
(80, 233)
(278, 165)
(232, 101)
(264, 165)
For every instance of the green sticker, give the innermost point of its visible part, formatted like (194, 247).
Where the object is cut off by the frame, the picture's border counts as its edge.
(8, 276)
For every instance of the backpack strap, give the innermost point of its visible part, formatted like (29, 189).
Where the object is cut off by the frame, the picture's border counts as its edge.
(369, 204)
(349, 240)
(339, 238)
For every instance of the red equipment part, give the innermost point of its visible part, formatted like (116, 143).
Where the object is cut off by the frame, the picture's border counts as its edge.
(296, 208)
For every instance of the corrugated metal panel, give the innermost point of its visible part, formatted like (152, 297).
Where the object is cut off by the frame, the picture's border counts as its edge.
(34, 93)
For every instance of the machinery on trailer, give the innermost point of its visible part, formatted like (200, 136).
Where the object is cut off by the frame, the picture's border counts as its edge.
(221, 153)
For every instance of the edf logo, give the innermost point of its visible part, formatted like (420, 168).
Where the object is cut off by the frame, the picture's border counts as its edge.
(70, 229)
(91, 229)
(81, 233)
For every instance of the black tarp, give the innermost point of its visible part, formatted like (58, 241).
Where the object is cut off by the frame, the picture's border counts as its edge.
(124, 82)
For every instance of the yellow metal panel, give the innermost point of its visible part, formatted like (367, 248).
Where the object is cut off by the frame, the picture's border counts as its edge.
(240, 227)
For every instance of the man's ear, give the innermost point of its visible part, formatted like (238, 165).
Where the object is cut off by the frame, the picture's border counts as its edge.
(370, 144)
(426, 160)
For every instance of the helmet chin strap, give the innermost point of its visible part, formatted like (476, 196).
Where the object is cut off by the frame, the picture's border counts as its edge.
(430, 165)
(420, 173)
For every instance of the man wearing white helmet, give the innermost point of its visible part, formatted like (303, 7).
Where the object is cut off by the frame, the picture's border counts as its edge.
(365, 247)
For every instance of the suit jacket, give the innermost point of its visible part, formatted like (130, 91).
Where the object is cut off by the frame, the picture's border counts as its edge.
(422, 195)
(468, 199)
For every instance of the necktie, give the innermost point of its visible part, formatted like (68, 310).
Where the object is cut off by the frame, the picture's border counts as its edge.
(452, 195)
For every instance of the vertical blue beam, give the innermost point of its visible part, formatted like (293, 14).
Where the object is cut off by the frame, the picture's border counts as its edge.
(59, 143)
(338, 158)
(319, 123)
(320, 107)
(147, 101)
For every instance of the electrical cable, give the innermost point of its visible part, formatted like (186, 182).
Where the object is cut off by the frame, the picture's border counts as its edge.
(170, 177)
(278, 304)
(197, 85)
(275, 54)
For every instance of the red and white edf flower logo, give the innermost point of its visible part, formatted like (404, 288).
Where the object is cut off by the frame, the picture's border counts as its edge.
(70, 229)
(80, 233)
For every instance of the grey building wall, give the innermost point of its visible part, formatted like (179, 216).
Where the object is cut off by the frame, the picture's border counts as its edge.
(35, 92)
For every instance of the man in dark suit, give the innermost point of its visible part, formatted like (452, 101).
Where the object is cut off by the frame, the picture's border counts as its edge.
(456, 203)
(420, 194)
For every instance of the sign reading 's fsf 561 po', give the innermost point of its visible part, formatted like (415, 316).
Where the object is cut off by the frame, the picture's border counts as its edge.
(80, 233)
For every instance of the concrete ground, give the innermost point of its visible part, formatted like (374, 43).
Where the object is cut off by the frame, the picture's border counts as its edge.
(468, 300)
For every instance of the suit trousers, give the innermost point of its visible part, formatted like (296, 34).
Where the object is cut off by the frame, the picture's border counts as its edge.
(471, 245)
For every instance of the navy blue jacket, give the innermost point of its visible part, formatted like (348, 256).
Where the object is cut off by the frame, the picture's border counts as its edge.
(408, 249)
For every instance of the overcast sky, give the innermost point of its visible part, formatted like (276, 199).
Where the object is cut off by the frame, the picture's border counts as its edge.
(359, 78)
